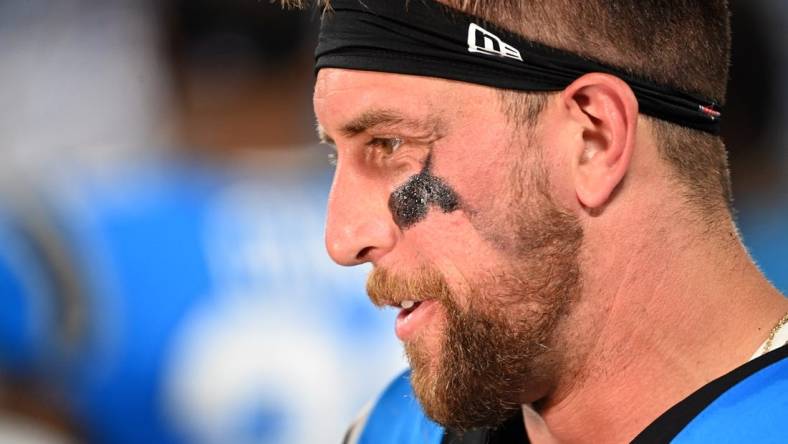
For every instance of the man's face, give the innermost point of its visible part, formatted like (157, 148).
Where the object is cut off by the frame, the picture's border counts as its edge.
(452, 206)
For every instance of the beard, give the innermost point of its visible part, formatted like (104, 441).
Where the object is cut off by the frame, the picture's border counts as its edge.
(496, 349)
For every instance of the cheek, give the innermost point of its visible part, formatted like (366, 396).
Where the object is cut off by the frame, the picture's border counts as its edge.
(481, 186)
(453, 246)
(477, 157)
(489, 201)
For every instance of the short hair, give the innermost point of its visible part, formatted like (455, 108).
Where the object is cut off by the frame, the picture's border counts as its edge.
(684, 44)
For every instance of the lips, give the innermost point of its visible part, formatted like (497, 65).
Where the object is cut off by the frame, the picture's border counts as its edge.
(414, 316)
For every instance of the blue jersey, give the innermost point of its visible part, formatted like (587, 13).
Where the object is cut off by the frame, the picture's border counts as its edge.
(175, 303)
(749, 404)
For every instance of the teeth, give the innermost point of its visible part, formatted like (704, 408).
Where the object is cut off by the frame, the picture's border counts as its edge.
(407, 304)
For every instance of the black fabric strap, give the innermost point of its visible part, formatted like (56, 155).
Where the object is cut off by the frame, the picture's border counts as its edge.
(425, 38)
(510, 432)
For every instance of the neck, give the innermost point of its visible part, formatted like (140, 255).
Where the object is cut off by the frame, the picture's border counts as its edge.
(652, 318)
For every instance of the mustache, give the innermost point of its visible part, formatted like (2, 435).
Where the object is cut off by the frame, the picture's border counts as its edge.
(385, 287)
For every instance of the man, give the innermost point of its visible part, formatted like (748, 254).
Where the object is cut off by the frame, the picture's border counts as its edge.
(541, 190)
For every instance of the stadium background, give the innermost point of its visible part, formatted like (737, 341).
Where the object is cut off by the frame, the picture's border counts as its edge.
(162, 273)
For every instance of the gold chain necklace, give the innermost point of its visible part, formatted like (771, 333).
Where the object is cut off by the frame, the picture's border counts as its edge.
(767, 346)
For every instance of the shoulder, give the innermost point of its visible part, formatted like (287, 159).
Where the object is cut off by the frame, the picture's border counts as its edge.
(754, 410)
(749, 404)
(395, 417)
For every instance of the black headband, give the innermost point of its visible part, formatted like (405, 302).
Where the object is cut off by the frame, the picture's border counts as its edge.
(423, 37)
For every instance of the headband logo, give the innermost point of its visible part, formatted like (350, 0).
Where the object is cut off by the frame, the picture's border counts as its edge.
(483, 41)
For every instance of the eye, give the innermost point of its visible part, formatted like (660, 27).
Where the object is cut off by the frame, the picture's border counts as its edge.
(332, 158)
(388, 144)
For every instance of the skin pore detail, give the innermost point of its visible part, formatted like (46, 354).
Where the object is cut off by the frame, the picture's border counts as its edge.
(411, 201)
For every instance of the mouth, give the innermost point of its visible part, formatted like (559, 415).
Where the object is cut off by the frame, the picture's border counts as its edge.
(413, 316)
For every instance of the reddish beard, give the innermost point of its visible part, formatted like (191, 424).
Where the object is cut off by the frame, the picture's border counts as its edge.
(497, 339)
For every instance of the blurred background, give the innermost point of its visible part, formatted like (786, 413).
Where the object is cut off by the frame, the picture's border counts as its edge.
(162, 272)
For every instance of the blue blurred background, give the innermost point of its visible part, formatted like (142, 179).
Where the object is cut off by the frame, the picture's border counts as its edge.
(162, 272)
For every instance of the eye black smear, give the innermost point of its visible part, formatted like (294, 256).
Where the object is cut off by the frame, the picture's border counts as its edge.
(410, 203)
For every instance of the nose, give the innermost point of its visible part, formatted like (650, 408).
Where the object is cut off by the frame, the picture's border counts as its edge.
(359, 225)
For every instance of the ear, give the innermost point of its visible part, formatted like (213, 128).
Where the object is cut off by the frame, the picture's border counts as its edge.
(606, 113)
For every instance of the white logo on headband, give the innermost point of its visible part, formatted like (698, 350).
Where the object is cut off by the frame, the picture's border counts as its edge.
(483, 41)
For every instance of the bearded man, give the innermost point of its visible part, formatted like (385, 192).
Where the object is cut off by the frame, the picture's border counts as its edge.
(542, 191)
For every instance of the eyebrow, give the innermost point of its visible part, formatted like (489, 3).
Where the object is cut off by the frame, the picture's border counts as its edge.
(382, 117)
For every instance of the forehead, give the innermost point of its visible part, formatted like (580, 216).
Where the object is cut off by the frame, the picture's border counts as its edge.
(341, 94)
